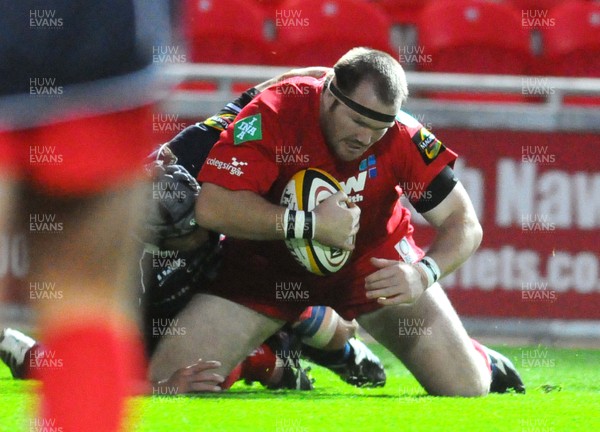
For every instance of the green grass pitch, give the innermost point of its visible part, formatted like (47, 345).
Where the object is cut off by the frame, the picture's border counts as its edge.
(563, 394)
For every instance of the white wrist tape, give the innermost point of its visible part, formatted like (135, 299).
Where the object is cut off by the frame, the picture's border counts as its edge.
(431, 270)
(299, 224)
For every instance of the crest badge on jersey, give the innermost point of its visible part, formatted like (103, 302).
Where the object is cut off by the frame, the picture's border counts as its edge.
(429, 146)
(247, 129)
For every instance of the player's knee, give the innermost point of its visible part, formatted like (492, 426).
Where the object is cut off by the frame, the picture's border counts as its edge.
(480, 381)
(479, 389)
(475, 386)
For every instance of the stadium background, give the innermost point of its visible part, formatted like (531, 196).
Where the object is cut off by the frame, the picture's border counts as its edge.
(511, 85)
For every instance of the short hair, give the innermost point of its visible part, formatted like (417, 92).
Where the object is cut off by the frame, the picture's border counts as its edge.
(380, 68)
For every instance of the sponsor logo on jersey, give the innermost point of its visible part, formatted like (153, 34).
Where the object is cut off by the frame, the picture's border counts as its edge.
(429, 146)
(247, 129)
(356, 184)
(233, 167)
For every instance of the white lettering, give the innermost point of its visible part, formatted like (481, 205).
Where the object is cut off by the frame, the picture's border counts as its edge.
(354, 184)
(514, 191)
(587, 200)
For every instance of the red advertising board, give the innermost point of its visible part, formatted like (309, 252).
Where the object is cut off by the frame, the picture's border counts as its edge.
(537, 196)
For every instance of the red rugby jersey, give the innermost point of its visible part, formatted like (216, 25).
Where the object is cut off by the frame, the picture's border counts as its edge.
(278, 134)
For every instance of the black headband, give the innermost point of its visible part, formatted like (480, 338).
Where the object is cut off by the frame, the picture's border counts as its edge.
(361, 109)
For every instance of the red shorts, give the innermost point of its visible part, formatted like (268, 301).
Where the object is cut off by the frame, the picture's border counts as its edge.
(266, 288)
(79, 156)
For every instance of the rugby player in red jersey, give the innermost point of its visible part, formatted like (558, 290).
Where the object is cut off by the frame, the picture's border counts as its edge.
(172, 265)
(350, 125)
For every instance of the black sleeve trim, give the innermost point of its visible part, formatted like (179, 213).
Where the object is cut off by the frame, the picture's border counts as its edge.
(439, 188)
(247, 96)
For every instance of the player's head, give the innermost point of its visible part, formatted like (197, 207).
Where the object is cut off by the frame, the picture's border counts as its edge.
(361, 100)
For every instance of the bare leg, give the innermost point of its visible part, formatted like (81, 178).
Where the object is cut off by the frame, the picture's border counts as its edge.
(82, 256)
(86, 254)
(211, 328)
(430, 340)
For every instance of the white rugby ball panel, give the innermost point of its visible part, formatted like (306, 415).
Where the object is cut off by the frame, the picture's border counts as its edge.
(317, 185)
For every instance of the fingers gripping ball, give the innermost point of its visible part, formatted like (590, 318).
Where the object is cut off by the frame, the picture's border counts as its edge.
(305, 190)
(171, 205)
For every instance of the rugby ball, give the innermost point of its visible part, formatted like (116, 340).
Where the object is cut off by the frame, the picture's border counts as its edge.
(305, 190)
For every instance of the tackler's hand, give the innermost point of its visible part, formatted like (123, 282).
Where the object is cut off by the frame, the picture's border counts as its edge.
(197, 377)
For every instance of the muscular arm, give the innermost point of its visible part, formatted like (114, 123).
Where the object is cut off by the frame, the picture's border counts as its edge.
(458, 235)
(458, 232)
(226, 211)
(247, 215)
